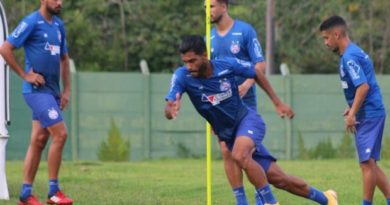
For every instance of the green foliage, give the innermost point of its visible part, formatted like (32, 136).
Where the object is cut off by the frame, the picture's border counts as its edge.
(386, 148)
(115, 35)
(326, 150)
(346, 148)
(116, 148)
(323, 150)
(303, 153)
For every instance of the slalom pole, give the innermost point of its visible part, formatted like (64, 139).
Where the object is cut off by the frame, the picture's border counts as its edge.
(208, 127)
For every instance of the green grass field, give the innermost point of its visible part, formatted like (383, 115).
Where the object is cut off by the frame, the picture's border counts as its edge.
(182, 182)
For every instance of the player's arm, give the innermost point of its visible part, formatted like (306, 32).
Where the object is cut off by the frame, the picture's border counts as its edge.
(360, 96)
(6, 51)
(359, 80)
(172, 108)
(65, 75)
(173, 97)
(261, 79)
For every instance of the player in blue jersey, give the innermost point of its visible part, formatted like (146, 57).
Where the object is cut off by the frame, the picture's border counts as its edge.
(213, 91)
(42, 34)
(365, 114)
(237, 39)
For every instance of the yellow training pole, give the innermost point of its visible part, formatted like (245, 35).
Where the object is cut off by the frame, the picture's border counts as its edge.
(208, 127)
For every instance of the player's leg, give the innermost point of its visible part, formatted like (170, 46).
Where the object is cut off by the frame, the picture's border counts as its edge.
(250, 134)
(47, 110)
(278, 178)
(39, 138)
(369, 180)
(242, 154)
(234, 174)
(368, 132)
(381, 179)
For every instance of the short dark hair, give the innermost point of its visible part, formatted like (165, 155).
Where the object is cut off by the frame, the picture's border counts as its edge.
(193, 43)
(331, 22)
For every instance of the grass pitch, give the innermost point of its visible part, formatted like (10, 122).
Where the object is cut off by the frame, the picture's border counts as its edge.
(183, 182)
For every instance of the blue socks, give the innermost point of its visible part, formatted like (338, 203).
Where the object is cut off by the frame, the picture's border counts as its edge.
(366, 202)
(239, 193)
(259, 199)
(25, 192)
(267, 195)
(388, 201)
(317, 196)
(53, 187)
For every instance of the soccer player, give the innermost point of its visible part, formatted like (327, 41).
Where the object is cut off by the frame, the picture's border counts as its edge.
(365, 114)
(237, 39)
(42, 34)
(213, 91)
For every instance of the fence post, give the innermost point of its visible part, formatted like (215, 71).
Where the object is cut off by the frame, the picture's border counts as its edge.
(288, 99)
(74, 111)
(147, 108)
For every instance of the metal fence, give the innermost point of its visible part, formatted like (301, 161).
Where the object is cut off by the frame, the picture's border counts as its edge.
(135, 102)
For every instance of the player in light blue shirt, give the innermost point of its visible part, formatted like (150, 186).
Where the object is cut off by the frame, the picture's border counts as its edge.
(213, 90)
(237, 39)
(42, 34)
(365, 114)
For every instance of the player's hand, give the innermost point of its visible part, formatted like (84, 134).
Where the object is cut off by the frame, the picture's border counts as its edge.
(346, 111)
(284, 110)
(34, 78)
(350, 123)
(243, 89)
(64, 99)
(172, 108)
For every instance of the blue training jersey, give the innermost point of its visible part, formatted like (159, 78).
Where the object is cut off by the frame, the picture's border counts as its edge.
(241, 43)
(215, 98)
(44, 44)
(355, 69)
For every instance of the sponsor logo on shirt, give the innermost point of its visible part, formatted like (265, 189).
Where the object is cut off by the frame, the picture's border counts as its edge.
(353, 69)
(235, 47)
(19, 30)
(54, 50)
(215, 99)
(237, 34)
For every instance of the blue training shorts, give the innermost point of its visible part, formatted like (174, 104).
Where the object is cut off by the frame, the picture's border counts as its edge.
(368, 138)
(45, 108)
(253, 126)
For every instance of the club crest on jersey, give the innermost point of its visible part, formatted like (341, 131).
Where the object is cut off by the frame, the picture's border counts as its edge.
(235, 47)
(225, 85)
(52, 113)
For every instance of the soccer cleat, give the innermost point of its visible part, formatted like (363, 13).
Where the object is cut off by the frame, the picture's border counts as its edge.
(59, 199)
(31, 200)
(331, 196)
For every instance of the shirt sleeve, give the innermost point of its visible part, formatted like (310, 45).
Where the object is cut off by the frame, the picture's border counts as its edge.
(253, 46)
(21, 33)
(64, 46)
(243, 68)
(177, 86)
(355, 71)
